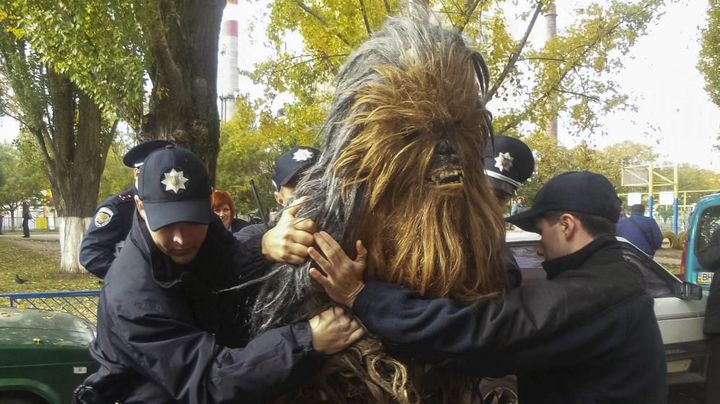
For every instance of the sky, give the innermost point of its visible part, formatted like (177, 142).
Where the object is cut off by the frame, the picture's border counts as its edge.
(675, 114)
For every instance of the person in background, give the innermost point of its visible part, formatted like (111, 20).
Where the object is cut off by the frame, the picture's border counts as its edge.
(509, 162)
(587, 334)
(289, 168)
(113, 217)
(26, 219)
(168, 329)
(224, 207)
(517, 206)
(1, 223)
(641, 230)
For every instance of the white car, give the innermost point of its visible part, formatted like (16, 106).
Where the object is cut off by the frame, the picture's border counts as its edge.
(679, 309)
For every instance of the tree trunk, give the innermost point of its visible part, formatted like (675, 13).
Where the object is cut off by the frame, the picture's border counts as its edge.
(75, 148)
(183, 38)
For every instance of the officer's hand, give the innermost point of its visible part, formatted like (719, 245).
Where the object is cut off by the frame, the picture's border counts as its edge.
(289, 239)
(333, 331)
(343, 278)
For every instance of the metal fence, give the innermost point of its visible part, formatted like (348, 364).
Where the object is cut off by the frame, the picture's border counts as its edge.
(81, 303)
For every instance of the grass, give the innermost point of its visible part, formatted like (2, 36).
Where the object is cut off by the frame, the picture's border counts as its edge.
(37, 263)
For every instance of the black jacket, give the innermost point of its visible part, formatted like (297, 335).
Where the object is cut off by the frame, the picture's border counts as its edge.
(237, 224)
(166, 333)
(587, 335)
(709, 258)
(106, 234)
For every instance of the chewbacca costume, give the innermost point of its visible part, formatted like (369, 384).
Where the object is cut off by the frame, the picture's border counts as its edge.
(402, 170)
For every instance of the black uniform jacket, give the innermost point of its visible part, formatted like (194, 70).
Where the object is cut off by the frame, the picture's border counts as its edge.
(586, 335)
(106, 234)
(165, 333)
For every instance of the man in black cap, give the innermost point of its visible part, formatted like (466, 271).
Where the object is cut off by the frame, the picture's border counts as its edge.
(587, 334)
(289, 168)
(508, 164)
(113, 217)
(168, 329)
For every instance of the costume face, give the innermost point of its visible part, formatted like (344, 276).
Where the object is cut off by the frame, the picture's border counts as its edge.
(430, 220)
(225, 214)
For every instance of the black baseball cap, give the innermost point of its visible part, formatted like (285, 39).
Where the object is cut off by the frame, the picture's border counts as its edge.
(574, 191)
(134, 157)
(508, 163)
(293, 162)
(174, 187)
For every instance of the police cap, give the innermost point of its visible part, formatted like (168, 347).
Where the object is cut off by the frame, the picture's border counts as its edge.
(293, 162)
(134, 157)
(574, 191)
(174, 187)
(508, 163)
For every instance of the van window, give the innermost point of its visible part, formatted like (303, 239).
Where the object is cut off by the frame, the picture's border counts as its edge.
(708, 236)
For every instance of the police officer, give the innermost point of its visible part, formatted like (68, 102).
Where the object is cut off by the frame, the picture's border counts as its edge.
(113, 217)
(168, 329)
(508, 164)
(289, 168)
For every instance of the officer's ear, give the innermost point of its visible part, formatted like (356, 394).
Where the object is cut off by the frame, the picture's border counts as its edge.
(140, 207)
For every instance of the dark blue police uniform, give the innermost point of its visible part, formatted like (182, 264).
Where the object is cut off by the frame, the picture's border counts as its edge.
(106, 234)
(169, 331)
(113, 218)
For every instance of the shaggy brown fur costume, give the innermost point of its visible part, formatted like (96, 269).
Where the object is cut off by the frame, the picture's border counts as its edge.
(402, 170)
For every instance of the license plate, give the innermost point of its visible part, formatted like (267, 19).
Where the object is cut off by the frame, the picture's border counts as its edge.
(704, 278)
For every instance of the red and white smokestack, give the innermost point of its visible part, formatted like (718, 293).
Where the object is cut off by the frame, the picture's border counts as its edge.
(229, 76)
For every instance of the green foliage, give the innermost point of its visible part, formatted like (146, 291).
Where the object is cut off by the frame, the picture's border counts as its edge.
(251, 141)
(573, 73)
(24, 178)
(710, 52)
(97, 44)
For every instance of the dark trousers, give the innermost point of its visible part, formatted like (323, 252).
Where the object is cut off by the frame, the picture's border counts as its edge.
(26, 227)
(712, 383)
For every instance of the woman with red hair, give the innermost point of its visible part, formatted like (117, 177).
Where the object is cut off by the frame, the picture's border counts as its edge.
(223, 206)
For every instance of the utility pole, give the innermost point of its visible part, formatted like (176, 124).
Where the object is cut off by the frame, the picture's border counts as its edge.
(551, 32)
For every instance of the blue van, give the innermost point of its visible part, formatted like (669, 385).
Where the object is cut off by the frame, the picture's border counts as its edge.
(704, 226)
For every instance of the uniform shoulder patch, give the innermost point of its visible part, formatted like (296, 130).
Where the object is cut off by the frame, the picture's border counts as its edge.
(103, 216)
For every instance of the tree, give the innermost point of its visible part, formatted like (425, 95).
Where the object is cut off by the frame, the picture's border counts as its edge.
(572, 73)
(182, 41)
(710, 53)
(71, 86)
(108, 48)
(70, 130)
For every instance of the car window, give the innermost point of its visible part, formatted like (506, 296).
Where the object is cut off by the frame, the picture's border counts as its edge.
(708, 236)
(658, 282)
